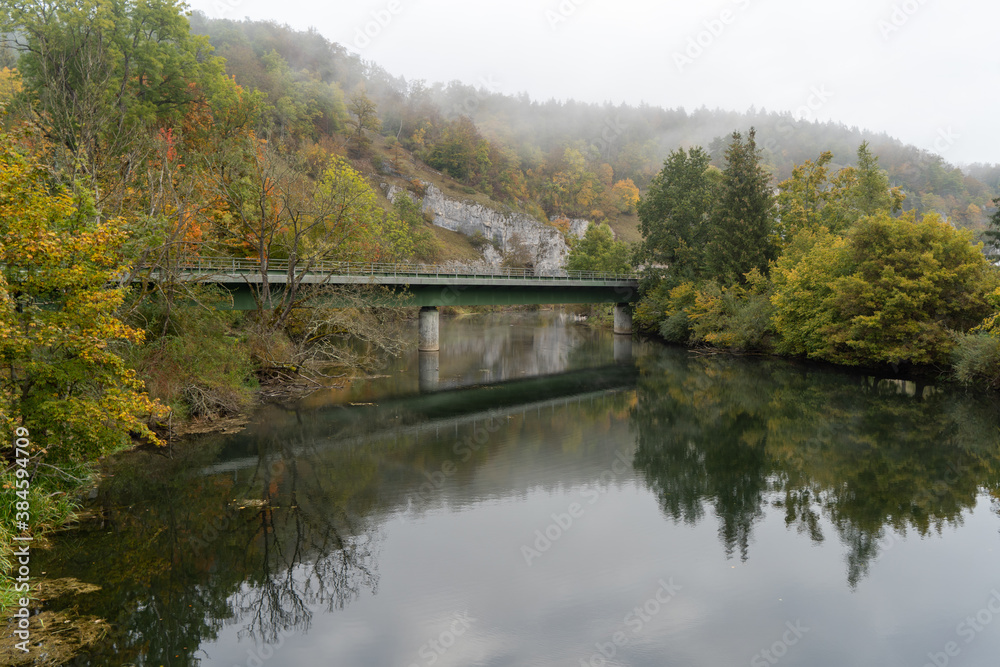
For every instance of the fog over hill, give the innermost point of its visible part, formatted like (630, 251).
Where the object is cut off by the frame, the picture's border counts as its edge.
(531, 143)
(921, 71)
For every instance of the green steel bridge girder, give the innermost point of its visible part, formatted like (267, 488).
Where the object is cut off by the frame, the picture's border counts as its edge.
(243, 295)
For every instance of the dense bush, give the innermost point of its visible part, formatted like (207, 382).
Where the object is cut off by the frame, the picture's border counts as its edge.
(676, 325)
(976, 359)
(891, 290)
(197, 363)
(736, 317)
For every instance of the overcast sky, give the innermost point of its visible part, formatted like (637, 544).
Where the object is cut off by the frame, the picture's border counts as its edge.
(925, 71)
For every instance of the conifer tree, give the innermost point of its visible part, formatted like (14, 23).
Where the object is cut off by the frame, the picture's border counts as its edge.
(742, 227)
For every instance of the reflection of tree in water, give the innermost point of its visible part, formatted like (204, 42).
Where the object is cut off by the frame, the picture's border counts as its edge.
(181, 555)
(312, 547)
(695, 454)
(877, 458)
(263, 531)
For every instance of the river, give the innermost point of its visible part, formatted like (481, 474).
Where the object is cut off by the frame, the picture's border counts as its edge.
(549, 496)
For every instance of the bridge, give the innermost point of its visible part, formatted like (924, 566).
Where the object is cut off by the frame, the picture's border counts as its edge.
(426, 286)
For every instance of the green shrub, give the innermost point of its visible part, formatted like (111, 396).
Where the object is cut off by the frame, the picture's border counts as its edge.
(736, 317)
(976, 359)
(478, 241)
(198, 363)
(676, 328)
(652, 308)
(425, 244)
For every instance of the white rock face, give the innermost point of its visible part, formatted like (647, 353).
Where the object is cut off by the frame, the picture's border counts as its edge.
(492, 257)
(545, 245)
(578, 227)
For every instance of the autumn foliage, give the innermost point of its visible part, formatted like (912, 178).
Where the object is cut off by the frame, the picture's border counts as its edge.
(60, 375)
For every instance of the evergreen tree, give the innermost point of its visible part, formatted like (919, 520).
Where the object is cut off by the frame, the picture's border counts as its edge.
(742, 226)
(992, 235)
(871, 193)
(674, 214)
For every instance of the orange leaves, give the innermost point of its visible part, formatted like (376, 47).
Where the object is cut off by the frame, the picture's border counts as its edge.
(167, 137)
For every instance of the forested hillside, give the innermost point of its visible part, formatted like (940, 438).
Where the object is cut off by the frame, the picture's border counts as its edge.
(559, 157)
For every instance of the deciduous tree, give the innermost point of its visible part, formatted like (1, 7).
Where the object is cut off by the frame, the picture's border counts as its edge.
(625, 195)
(992, 234)
(274, 212)
(363, 119)
(891, 290)
(104, 71)
(60, 372)
(599, 251)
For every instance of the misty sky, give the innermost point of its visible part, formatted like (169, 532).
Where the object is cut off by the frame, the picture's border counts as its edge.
(925, 71)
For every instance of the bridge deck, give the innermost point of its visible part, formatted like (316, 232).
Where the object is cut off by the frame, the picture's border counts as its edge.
(424, 284)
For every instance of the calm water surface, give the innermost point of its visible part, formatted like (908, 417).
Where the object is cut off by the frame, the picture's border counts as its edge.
(547, 498)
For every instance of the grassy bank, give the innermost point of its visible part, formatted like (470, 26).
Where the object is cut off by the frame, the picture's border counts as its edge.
(52, 506)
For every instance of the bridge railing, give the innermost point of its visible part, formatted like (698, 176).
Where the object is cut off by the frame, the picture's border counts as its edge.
(235, 265)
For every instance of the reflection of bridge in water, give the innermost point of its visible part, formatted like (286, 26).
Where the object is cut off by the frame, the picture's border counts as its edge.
(438, 412)
(429, 364)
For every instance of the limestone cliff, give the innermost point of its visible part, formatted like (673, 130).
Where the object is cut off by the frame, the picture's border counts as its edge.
(507, 230)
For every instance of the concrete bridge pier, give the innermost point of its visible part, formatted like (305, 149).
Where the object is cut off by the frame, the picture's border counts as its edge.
(623, 350)
(430, 328)
(623, 319)
(429, 363)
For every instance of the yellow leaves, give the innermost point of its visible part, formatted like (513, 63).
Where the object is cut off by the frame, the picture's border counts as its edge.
(10, 85)
(62, 332)
(991, 324)
(625, 195)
